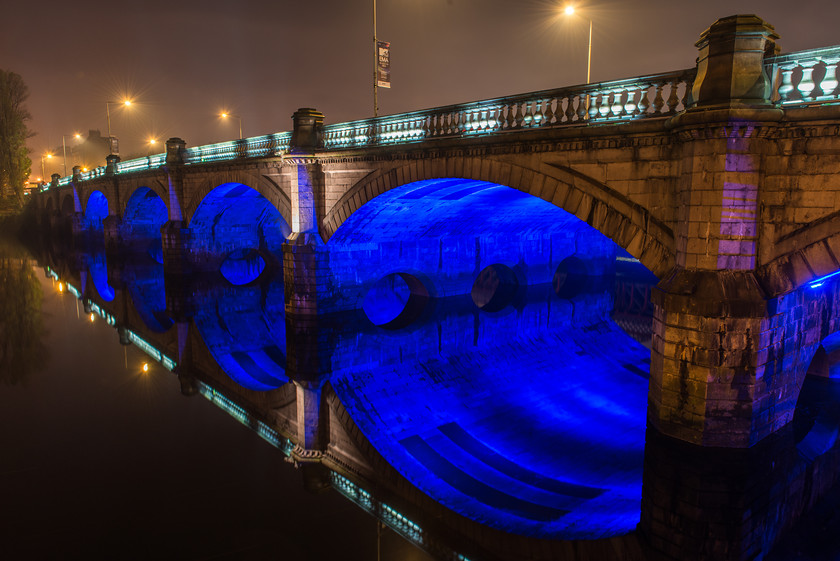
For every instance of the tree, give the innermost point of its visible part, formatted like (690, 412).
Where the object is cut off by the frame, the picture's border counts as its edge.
(15, 164)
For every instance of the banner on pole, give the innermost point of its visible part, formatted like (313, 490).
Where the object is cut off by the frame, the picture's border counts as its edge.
(383, 66)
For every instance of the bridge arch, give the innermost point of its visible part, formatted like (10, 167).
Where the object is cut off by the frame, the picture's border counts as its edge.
(259, 183)
(96, 210)
(626, 223)
(236, 229)
(145, 213)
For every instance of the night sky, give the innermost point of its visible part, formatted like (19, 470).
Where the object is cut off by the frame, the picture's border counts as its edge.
(183, 62)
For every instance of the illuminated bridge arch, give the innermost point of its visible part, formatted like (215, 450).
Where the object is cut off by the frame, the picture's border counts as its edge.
(451, 237)
(145, 213)
(96, 210)
(236, 230)
(628, 224)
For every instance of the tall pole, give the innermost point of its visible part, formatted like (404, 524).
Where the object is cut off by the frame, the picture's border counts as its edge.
(64, 150)
(43, 173)
(375, 65)
(589, 57)
(108, 116)
(240, 128)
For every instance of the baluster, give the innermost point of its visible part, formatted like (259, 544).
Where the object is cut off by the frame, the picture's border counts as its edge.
(658, 101)
(514, 115)
(549, 114)
(644, 100)
(539, 113)
(806, 84)
(604, 103)
(630, 104)
(829, 81)
(492, 120)
(583, 103)
(617, 107)
(673, 99)
(509, 120)
(570, 113)
(527, 115)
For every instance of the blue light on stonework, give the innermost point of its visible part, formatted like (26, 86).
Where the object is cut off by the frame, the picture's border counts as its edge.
(386, 299)
(816, 283)
(98, 267)
(96, 210)
(473, 407)
(146, 287)
(445, 231)
(234, 217)
(144, 215)
(244, 328)
(242, 266)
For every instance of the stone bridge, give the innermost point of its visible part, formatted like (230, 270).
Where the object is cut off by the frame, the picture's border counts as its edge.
(720, 179)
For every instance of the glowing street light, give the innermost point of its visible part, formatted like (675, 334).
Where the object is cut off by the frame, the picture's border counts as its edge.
(570, 11)
(108, 104)
(225, 115)
(47, 156)
(77, 136)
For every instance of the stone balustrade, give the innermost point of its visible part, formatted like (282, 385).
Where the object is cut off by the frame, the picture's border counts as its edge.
(659, 95)
(805, 77)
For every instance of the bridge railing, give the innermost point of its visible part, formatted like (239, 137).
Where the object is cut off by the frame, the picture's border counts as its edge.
(658, 95)
(805, 77)
(256, 147)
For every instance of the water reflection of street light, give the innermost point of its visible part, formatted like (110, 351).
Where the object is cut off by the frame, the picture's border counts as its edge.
(569, 11)
(226, 115)
(108, 104)
(64, 148)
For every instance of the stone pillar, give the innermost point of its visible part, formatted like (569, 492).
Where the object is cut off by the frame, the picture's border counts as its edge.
(712, 319)
(175, 236)
(111, 161)
(113, 239)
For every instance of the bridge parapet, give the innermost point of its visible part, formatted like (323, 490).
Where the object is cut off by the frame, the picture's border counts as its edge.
(806, 77)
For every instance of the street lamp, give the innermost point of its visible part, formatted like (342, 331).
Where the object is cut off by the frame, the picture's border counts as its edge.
(152, 142)
(237, 117)
(47, 156)
(64, 148)
(108, 104)
(569, 11)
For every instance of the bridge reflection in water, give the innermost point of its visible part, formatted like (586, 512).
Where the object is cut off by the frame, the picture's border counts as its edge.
(475, 434)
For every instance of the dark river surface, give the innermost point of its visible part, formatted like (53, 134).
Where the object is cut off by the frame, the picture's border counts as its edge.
(103, 459)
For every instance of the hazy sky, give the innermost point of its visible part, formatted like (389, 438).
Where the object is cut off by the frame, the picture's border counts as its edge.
(183, 61)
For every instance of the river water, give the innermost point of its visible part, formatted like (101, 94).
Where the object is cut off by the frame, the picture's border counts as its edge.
(530, 422)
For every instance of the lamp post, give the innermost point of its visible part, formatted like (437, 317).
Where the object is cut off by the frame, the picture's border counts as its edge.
(64, 148)
(152, 142)
(108, 104)
(48, 156)
(226, 115)
(375, 65)
(570, 10)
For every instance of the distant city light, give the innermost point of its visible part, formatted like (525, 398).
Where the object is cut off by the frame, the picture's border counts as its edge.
(92, 316)
(61, 287)
(145, 367)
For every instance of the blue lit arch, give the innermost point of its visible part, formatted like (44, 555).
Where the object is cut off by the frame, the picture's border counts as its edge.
(452, 229)
(144, 215)
(96, 210)
(234, 227)
(627, 223)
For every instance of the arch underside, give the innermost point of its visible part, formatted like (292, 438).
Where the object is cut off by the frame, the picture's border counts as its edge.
(230, 221)
(628, 224)
(444, 232)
